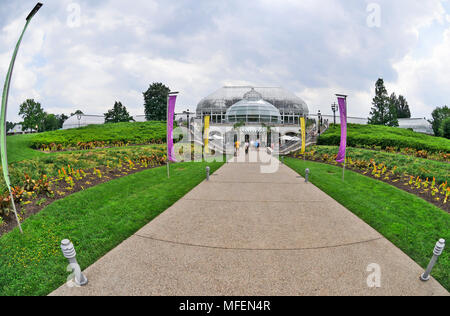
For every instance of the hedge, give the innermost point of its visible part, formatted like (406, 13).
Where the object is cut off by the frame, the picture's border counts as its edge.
(383, 136)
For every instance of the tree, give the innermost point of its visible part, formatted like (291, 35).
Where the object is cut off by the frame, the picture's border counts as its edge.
(446, 128)
(394, 102)
(76, 112)
(32, 114)
(51, 122)
(118, 114)
(403, 108)
(9, 126)
(155, 102)
(439, 115)
(384, 110)
(61, 119)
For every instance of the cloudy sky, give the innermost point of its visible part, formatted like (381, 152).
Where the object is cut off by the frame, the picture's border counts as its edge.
(86, 54)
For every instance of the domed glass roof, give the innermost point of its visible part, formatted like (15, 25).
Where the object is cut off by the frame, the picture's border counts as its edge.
(253, 109)
(224, 98)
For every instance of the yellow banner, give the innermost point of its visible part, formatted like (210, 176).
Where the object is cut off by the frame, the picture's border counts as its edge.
(206, 134)
(303, 128)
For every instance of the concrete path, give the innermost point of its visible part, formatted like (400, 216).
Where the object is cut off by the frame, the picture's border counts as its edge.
(249, 233)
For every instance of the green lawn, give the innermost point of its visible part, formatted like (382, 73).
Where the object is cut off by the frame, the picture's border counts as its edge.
(412, 224)
(96, 220)
(19, 148)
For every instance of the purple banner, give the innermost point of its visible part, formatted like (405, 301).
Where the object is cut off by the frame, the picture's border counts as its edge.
(170, 115)
(343, 111)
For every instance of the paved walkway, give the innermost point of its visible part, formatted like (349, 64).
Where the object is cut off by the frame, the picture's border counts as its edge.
(249, 233)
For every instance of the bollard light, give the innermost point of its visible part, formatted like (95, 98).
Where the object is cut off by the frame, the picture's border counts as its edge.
(438, 249)
(207, 173)
(306, 175)
(69, 252)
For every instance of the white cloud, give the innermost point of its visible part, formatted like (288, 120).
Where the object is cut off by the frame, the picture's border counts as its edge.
(425, 81)
(314, 48)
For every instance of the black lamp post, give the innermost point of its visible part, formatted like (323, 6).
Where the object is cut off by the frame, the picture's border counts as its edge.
(188, 125)
(334, 109)
(319, 119)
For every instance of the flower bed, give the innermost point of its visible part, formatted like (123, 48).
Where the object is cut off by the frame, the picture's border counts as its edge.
(92, 145)
(33, 195)
(428, 189)
(438, 156)
(424, 168)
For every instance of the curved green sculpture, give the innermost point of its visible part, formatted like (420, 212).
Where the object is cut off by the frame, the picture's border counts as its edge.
(3, 113)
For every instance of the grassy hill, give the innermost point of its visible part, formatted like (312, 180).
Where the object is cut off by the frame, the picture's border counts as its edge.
(384, 137)
(19, 148)
(133, 133)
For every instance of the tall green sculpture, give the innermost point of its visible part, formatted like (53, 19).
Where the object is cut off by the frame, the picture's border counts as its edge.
(3, 113)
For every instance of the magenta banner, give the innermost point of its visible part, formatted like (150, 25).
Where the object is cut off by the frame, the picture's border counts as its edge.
(343, 111)
(170, 115)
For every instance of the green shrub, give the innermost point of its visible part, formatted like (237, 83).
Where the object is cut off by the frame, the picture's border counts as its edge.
(383, 137)
(109, 134)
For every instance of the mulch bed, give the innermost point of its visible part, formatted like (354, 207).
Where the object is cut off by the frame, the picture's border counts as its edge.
(61, 190)
(398, 182)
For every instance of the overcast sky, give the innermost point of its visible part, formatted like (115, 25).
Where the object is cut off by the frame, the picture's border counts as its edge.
(87, 54)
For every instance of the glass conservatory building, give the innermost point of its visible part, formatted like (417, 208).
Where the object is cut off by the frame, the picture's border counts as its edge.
(253, 109)
(252, 105)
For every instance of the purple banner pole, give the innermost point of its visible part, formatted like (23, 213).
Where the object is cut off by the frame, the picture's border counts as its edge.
(343, 112)
(171, 100)
(170, 115)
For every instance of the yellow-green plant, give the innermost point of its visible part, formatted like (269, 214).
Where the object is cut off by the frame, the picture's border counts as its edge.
(447, 195)
(98, 173)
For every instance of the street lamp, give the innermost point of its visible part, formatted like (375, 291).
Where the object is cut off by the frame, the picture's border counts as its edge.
(188, 125)
(334, 109)
(79, 119)
(319, 119)
(3, 112)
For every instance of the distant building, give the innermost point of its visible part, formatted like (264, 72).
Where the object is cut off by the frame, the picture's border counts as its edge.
(80, 120)
(17, 129)
(420, 125)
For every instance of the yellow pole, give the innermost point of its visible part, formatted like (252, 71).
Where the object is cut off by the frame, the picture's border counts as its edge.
(206, 137)
(303, 128)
